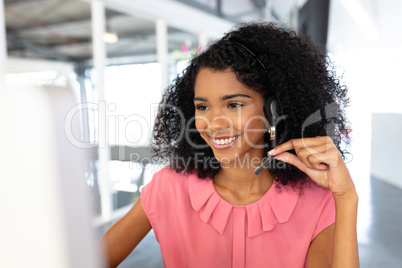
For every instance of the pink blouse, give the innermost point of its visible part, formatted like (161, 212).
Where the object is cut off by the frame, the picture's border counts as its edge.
(196, 227)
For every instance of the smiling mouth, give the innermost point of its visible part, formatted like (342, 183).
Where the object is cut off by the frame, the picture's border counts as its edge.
(224, 142)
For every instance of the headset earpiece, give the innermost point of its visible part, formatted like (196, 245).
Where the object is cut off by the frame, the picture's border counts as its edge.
(278, 128)
(272, 132)
(275, 116)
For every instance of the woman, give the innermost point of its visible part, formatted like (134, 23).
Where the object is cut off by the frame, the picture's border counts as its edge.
(260, 96)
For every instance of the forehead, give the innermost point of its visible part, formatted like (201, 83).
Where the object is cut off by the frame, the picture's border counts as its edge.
(212, 82)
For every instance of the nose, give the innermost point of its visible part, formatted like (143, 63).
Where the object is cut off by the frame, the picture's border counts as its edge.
(221, 122)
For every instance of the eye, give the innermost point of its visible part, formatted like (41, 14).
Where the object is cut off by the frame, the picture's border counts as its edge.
(235, 105)
(201, 107)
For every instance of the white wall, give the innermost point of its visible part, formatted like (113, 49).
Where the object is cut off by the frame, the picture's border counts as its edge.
(386, 148)
(16, 65)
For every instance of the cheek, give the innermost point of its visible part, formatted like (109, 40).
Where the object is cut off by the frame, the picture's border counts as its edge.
(254, 127)
(200, 125)
(254, 122)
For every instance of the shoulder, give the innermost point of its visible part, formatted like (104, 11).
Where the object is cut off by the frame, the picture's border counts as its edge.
(317, 202)
(167, 191)
(308, 191)
(318, 205)
(165, 184)
(167, 176)
(312, 199)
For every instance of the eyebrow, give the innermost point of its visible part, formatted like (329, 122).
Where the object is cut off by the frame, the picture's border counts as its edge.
(226, 97)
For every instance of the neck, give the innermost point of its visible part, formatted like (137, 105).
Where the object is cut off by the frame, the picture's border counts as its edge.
(239, 185)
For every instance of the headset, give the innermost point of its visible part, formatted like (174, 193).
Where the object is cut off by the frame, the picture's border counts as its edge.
(279, 123)
(278, 129)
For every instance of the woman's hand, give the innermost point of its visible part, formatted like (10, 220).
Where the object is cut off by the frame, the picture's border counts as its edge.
(320, 159)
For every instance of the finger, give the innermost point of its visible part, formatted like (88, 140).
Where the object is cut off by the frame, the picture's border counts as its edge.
(296, 144)
(304, 153)
(316, 163)
(291, 159)
(313, 156)
(314, 150)
(295, 161)
(286, 146)
(330, 158)
(316, 140)
(318, 151)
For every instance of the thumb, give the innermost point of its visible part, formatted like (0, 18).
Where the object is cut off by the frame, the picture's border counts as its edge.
(291, 159)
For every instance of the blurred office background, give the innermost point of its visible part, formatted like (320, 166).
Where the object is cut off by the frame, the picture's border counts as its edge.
(115, 57)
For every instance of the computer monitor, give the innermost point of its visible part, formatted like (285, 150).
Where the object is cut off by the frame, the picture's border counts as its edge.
(44, 201)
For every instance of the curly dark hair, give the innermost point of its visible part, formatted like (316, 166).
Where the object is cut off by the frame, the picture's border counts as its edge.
(271, 60)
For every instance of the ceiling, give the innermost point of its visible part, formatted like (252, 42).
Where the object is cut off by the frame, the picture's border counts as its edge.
(60, 30)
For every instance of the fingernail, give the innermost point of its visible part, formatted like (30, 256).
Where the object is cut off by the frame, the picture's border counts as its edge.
(322, 166)
(272, 152)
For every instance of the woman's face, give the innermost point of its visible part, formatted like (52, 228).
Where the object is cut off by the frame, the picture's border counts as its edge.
(229, 116)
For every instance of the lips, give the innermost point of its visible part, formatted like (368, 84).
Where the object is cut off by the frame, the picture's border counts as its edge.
(224, 142)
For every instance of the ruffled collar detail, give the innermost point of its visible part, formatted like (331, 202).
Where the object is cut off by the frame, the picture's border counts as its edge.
(276, 206)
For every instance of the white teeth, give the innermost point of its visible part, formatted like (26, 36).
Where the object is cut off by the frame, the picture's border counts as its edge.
(224, 141)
